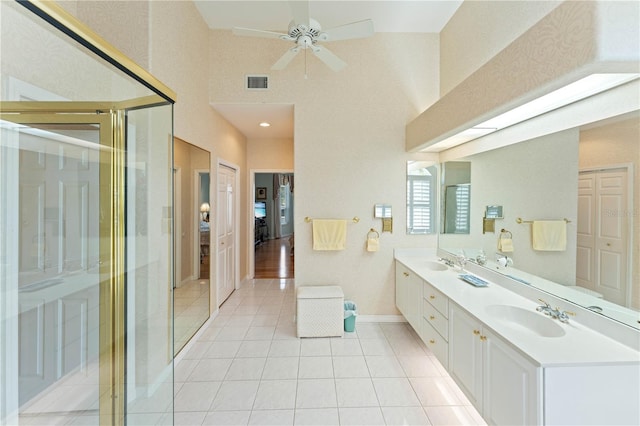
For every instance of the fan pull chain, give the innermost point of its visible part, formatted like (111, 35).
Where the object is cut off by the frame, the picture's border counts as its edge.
(305, 63)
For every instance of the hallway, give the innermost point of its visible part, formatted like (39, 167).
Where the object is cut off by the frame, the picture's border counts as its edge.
(248, 367)
(274, 259)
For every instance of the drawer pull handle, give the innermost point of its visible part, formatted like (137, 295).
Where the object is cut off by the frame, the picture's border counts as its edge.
(483, 338)
(406, 274)
(432, 341)
(431, 317)
(432, 297)
(476, 332)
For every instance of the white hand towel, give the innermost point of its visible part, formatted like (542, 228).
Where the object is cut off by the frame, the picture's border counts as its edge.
(373, 244)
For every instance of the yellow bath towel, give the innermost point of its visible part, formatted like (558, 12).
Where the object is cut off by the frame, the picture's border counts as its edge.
(549, 235)
(329, 234)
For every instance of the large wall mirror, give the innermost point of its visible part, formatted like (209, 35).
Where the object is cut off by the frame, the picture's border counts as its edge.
(586, 178)
(192, 241)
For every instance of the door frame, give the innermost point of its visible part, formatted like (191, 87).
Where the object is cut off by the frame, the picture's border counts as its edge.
(251, 199)
(177, 242)
(630, 223)
(220, 162)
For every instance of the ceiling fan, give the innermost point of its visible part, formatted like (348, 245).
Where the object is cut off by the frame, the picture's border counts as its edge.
(306, 33)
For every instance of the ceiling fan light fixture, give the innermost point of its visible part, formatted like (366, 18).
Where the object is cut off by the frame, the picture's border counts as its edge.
(306, 32)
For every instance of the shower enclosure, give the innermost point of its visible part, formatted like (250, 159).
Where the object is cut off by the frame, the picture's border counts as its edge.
(86, 227)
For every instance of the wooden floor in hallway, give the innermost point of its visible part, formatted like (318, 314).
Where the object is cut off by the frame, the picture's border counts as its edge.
(274, 259)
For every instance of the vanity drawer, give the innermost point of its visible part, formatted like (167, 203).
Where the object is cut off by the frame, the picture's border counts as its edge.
(436, 319)
(435, 298)
(436, 343)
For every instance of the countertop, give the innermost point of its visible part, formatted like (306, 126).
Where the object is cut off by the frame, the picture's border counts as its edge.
(579, 345)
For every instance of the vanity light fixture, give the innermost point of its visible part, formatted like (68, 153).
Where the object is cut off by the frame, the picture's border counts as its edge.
(576, 91)
(265, 124)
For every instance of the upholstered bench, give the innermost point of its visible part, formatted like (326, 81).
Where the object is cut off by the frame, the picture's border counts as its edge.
(320, 311)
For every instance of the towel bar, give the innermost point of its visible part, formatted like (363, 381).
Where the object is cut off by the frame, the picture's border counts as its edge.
(355, 219)
(520, 220)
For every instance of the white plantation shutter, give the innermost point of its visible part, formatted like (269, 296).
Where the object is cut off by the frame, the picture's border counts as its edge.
(420, 193)
(463, 194)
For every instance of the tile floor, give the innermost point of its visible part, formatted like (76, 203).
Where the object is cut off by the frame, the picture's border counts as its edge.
(248, 367)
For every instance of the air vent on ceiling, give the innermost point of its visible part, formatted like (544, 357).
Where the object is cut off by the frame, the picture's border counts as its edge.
(257, 82)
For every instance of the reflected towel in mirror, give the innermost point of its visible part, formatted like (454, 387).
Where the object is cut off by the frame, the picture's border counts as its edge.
(505, 245)
(549, 235)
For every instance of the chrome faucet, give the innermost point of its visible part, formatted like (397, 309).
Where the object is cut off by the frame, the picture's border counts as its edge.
(562, 316)
(446, 261)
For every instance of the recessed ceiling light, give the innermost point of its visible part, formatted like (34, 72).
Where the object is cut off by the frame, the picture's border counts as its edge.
(264, 124)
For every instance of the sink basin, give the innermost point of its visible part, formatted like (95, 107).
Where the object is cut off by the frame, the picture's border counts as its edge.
(433, 265)
(525, 320)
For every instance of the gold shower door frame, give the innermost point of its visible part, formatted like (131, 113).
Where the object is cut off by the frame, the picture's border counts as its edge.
(111, 122)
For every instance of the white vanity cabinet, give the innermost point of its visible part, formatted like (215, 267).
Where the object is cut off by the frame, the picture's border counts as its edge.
(409, 295)
(435, 322)
(513, 373)
(501, 383)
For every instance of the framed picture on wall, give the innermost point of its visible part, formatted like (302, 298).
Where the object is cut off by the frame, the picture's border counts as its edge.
(261, 193)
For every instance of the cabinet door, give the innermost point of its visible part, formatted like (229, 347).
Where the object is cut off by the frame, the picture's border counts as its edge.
(465, 353)
(511, 388)
(415, 303)
(402, 287)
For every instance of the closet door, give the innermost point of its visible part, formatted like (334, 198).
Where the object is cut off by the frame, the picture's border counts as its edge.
(603, 233)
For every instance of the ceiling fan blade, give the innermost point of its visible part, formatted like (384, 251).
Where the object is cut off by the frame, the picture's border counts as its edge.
(248, 32)
(286, 58)
(300, 11)
(358, 29)
(329, 58)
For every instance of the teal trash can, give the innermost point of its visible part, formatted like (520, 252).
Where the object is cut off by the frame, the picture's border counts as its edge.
(349, 316)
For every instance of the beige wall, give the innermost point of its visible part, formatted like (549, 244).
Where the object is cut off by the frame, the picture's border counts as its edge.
(479, 30)
(348, 144)
(618, 143)
(270, 154)
(349, 126)
(170, 40)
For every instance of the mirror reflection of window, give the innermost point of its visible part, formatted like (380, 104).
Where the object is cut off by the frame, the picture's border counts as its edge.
(421, 184)
(456, 209)
(456, 197)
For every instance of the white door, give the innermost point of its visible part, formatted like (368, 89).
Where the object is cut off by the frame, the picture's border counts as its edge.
(226, 232)
(603, 232)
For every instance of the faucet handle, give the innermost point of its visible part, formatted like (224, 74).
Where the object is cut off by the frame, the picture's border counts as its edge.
(546, 305)
(563, 316)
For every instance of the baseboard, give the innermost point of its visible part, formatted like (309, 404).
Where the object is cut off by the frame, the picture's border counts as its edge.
(195, 337)
(380, 318)
(186, 280)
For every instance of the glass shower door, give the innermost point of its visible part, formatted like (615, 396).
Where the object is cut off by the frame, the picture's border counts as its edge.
(56, 171)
